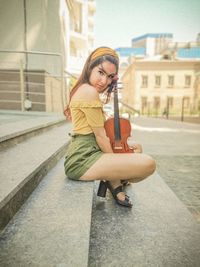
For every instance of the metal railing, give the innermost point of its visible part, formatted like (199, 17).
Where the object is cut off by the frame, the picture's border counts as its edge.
(133, 110)
(23, 72)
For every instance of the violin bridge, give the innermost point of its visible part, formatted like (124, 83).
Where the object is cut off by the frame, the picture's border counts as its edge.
(118, 147)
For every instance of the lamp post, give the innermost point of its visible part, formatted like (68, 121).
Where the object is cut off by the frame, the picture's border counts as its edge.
(182, 109)
(167, 111)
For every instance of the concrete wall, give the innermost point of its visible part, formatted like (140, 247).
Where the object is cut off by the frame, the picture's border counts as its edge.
(43, 26)
(150, 46)
(39, 28)
(11, 31)
(34, 25)
(53, 94)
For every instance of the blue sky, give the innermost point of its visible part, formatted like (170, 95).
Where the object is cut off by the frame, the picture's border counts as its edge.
(118, 21)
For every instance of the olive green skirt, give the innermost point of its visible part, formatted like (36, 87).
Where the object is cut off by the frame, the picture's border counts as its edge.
(82, 152)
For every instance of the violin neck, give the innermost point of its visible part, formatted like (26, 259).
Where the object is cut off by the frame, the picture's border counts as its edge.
(117, 129)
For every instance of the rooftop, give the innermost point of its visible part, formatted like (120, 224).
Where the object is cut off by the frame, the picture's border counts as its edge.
(193, 52)
(130, 51)
(152, 35)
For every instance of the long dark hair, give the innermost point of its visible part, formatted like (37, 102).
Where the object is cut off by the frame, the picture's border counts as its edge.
(86, 72)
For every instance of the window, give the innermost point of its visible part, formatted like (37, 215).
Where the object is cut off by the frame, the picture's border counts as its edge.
(166, 57)
(156, 102)
(187, 80)
(157, 81)
(170, 102)
(144, 81)
(170, 81)
(186, 102)
(144, 102)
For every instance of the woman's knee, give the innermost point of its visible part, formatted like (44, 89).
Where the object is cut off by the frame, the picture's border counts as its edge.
(150, 165)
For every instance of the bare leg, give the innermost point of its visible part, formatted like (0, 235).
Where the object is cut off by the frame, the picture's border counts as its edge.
(114, 167)
(137, 149)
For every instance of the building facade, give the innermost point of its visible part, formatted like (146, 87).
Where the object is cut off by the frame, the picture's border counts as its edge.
(152, 87)
(164, 78)
(81, 33)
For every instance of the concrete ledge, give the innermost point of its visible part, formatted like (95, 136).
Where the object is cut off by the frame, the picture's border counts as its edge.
(16, 198)
(23, 167)
(53, 227)
(20, 130)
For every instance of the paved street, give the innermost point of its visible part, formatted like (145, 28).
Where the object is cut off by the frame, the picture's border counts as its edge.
(176, 148)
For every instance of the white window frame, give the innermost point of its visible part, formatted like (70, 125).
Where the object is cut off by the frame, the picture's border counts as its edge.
(144, 81)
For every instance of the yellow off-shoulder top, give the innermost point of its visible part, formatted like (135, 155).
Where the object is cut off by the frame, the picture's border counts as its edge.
(85, 115)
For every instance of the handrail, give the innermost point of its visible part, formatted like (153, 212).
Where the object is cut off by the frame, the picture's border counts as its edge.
(129, 107)
(31, 52)
(44, 53)
(68, 73)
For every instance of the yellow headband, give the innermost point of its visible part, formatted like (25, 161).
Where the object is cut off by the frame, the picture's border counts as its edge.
(102, 51)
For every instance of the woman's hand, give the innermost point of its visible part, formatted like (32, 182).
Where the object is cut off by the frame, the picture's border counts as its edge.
(136, 147)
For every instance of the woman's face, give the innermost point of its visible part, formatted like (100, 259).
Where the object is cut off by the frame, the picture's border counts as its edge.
(102, 75)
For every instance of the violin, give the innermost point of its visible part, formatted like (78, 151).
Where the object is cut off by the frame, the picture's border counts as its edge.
(118, 129)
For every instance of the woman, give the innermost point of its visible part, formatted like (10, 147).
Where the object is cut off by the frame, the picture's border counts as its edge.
(90, 156)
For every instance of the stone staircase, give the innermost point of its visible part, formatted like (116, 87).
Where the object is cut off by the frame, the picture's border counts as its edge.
(157, 231)
(29, 147)
(31, 144)
(64, 224)
(53, 227)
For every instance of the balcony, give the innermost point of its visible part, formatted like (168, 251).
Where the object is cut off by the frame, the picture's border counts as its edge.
(91, 21)
(92, 6)
(79, 39)
(91, 35)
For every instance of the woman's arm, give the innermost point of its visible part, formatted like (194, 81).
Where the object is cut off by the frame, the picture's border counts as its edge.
(89, 93)
(102, 140)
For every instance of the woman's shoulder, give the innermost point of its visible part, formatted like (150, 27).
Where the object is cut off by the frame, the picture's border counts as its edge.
(86, 96)
(86, 92)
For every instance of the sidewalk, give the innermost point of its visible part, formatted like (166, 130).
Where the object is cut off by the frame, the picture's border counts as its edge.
(159, 230)
(176, 149)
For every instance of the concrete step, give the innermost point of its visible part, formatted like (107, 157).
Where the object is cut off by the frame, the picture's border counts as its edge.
(52, 228)
(157, 231)
(17, 126)
(24, 165)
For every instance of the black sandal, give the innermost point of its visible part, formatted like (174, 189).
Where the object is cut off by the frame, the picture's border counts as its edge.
(125, 182)
(103, 186)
